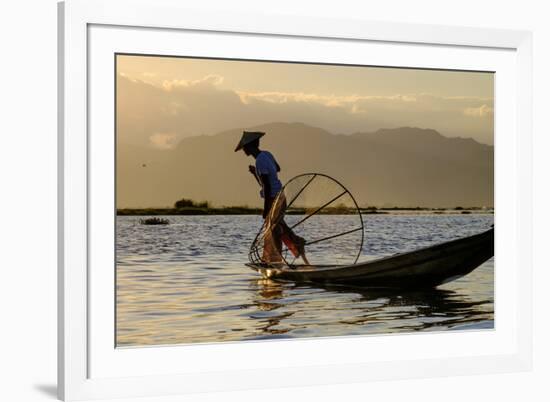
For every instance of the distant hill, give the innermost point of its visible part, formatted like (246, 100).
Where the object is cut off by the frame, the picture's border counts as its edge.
(404, 167)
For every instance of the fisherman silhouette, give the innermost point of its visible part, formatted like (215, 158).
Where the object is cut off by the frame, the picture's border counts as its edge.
(265, 172)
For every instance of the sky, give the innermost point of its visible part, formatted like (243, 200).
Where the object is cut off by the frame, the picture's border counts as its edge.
(161, 100)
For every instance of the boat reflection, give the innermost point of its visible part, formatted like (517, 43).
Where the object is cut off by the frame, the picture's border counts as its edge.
(363, 310)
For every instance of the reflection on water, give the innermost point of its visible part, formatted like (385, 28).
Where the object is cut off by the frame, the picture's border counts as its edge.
(186, 282)
(381, 311)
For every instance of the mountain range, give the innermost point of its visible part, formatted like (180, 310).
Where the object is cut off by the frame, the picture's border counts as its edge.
(404, 166)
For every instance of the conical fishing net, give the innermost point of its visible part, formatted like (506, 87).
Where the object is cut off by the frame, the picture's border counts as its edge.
(314, 221)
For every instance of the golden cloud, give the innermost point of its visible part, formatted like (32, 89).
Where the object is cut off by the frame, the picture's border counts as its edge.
(480, 111)
(209, 80)
(163, 140)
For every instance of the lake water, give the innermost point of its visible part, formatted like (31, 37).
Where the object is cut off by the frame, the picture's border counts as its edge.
(186, 282)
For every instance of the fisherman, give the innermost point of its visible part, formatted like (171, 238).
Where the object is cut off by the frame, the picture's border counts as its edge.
(265, 172)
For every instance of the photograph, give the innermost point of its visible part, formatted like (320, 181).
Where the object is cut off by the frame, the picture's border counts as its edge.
(267, 200)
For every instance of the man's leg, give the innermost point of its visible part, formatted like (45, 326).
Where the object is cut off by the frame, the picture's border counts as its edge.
(299, 242)
(272, 252)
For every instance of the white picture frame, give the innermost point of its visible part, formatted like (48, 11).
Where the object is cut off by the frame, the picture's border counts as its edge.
(90, 367)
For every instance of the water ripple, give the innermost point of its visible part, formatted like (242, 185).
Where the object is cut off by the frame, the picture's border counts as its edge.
(186, 282)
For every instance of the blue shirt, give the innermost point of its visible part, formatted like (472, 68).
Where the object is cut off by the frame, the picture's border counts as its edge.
(266, 165)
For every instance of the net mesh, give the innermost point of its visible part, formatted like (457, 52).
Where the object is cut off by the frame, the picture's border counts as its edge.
(313, 221)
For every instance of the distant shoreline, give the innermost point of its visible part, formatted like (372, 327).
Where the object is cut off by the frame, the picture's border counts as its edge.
(335, 211)
(189, 211)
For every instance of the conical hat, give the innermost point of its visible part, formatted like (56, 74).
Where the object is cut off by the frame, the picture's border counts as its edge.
(248, 137)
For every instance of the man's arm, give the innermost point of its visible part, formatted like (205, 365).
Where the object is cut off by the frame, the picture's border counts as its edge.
(267, 194)
(252, 170)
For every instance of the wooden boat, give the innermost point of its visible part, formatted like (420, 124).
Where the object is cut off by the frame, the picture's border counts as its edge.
(423, 268)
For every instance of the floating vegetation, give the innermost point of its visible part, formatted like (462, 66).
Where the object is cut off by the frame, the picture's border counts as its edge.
(154, 221)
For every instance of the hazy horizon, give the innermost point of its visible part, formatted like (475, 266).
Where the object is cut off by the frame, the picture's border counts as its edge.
(396, 167)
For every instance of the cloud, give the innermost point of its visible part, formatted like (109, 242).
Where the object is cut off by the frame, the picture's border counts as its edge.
(163, 141)
(326, 100)
(481, 111)
(211, 80)
(160, 115)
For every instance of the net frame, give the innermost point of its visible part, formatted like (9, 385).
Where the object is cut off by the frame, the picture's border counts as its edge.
(257, 244)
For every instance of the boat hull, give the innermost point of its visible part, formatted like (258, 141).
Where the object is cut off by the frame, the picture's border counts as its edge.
(424, 268)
